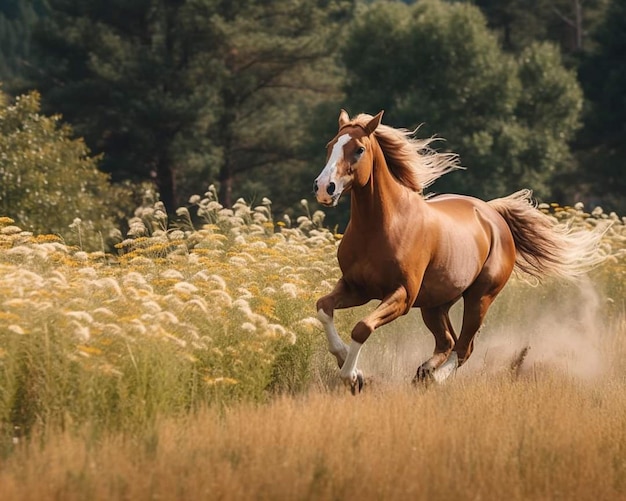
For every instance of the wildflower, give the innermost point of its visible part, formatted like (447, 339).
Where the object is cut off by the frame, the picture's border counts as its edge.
(185, 288)
(167, 316)
(177, 235)
(81, 256)
(10, 230)
(83, 316)
(137, 325)
(221, 298)
(81, 331)
(199, 303)
(108, 283)
(182, 212)
(194, 199)
(290, 289)
(152, 307)
(16, 329)
(173, 274)
(76, 223)
(248, 327)
(105, 312)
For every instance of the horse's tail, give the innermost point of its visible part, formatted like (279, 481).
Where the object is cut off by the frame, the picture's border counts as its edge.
(545, 247)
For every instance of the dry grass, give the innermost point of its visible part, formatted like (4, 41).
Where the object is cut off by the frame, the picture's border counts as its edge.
(153, 375)
(491, 437)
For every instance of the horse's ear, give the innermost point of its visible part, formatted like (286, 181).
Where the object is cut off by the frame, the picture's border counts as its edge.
(374, 123)
(344, 118)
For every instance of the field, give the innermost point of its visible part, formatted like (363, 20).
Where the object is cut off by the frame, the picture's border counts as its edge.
(191, 365)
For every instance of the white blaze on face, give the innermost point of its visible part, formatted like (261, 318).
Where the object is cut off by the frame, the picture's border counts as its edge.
(328, 176)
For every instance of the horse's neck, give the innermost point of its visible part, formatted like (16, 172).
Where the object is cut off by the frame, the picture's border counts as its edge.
(381, 200)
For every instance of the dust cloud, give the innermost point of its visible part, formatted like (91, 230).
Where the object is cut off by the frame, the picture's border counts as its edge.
(528, 330)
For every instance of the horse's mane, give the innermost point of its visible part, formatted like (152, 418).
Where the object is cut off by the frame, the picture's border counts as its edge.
(412, 161)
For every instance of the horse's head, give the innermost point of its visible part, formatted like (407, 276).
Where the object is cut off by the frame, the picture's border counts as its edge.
(349, 159)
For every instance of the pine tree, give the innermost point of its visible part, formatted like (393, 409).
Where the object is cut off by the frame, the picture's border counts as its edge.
(185, 92)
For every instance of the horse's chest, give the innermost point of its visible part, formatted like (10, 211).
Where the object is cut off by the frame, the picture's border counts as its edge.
(372, 271)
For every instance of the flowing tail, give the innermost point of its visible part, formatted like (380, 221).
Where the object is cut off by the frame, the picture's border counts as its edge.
(543, 246)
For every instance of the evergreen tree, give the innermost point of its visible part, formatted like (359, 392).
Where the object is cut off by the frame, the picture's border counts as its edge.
(186, 92)
(17, 19)
(510, 119)
(603, 141)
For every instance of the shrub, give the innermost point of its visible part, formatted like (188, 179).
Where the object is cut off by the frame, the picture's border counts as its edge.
(50, 182)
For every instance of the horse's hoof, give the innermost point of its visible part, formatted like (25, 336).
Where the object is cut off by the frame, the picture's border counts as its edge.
(423, 377)
(427, 374)
(357, 386)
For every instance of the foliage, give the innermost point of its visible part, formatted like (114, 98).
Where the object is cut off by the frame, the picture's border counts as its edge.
(49, 179)
(186, 92)
(603, 77)
(567, 23)
(211, 309)
(509, 119)
(17, 18)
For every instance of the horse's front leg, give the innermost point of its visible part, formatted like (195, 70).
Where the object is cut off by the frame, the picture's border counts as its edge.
(342, 296)
(391, 307)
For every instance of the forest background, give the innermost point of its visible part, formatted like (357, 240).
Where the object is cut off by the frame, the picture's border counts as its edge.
(106, 101)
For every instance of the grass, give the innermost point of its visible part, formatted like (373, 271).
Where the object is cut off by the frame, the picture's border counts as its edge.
(546, 437)
(190, 365)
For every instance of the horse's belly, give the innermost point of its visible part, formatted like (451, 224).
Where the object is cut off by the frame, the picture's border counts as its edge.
(445, 282)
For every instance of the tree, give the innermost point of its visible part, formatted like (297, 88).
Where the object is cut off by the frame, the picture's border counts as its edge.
(186, 92)
(567, 23)
(49, 179)
(510, 119)
(17, 18)
(602, 142)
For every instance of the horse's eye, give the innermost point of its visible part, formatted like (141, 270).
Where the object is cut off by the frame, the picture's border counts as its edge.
(359, 151)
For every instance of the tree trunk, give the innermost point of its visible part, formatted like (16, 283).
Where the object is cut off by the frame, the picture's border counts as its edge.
(166, 184)
(226, 183)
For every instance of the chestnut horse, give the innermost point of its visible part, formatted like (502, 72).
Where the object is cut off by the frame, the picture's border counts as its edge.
(409, 251)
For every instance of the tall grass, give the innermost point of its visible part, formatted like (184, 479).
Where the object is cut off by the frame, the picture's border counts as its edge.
(193, 353)
(548, 437)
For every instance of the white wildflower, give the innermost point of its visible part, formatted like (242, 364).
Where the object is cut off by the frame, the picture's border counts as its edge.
(10, 230)
(173, 274)
(88, 272)
(290, 289)
(104, 312)
(199, 303)
(16, 329)
(221, 299)
(248, 327)
(238, 261)
(151, 307)
(167, 316)
(219, 281)
(81, 331)
(138, 326)
(185, 288)
(83, 316)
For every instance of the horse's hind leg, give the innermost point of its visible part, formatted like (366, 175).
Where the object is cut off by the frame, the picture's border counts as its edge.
(438, 322)
(474, 310)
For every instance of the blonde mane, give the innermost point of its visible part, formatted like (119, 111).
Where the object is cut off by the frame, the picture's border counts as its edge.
(412, 161)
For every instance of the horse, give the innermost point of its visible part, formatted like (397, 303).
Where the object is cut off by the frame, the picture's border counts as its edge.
(409, 250)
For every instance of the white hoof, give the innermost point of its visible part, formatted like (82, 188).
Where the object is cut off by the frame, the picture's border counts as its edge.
(445, 370)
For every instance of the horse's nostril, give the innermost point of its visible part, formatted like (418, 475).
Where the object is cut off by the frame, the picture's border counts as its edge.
(330, 189)
(315, 186)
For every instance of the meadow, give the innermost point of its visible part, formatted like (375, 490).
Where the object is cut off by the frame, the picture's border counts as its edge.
(188, 364)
